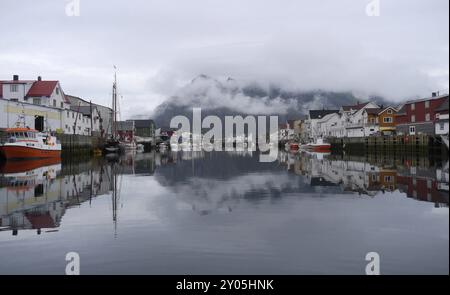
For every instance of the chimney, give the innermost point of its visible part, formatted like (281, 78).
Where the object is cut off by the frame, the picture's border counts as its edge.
(15, 77)
(434, 94)
(39, 78)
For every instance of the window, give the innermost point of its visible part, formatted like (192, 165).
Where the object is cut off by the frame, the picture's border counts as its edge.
(68, 114)
(389, 111)
(62, 105)
(54, 103)
(412, 130)
(57, 90)
(441, 126)
(413, 106)
(37, 101)
(13, 88)
(427, 117)
(73, 115)
(387, 120)
(387, 178)
(413, 118)
(427, 104)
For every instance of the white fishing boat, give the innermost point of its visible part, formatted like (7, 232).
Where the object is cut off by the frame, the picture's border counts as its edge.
(26, 143)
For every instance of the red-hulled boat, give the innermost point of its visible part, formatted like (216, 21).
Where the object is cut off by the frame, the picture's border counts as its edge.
(319, 146)
(26, 143)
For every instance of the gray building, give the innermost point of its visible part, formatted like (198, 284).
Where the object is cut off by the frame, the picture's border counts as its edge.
(105, 113)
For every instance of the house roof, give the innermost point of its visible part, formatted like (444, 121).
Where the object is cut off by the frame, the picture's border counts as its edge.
(402, 111)
(355, 107)
(373, 111)
(328, 117)
(443, 106)
(85, 110)
(318, 114)
(42, 88)
(382, 110)
(425, 99)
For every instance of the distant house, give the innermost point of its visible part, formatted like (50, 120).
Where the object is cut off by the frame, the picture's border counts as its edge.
(314, 117)
(442, 117)
(125, 130)
(386, 120)
(330, 126)
(87, 123)
(419, 116)
(104, 113)
(362, 122)
(354, 108)
(37, 92)
(144, 128)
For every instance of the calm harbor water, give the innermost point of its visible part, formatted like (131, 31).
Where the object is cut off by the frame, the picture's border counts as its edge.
(225, 213)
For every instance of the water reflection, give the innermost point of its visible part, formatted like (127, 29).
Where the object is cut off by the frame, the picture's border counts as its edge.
(36, 194)
(419, 178)
(164, 213)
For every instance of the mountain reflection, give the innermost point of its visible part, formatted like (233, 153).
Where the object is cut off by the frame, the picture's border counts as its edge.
(34, 195)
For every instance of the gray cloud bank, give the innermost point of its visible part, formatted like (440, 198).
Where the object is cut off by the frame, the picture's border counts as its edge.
(159, 46)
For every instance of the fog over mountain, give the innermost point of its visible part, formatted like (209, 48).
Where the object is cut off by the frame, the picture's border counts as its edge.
(229, 97)
(290, 48)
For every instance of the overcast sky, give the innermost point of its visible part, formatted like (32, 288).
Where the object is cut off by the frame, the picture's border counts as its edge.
(159, 45)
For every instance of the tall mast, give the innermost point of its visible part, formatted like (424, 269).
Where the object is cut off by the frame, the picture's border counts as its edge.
(114, 104)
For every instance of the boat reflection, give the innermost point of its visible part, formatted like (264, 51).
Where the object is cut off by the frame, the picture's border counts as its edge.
(34, 195)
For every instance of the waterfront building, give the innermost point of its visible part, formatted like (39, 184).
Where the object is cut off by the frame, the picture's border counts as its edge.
(363, 122)
(441, 123)
(419, 116)
(43, 105)
(314, 116)
(126, 130)
(104, 114)
(386, 120)
(144, 130)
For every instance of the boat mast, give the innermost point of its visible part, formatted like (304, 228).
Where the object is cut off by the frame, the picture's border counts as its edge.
(114, 104)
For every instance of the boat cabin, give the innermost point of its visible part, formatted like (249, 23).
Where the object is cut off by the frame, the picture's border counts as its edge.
(19, 134)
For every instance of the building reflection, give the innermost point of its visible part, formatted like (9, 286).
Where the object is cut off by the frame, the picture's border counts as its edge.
(34, 195)
(369, 175)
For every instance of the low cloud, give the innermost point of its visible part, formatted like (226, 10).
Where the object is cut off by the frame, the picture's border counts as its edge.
(160, 45)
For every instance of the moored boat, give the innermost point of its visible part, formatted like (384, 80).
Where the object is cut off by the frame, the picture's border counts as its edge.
(319, 146)
(26, 143)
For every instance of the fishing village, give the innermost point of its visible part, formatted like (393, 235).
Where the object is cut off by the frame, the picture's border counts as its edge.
(40, 120)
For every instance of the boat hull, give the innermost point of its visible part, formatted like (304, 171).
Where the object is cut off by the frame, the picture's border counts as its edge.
(323, 148)
(24, 152)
